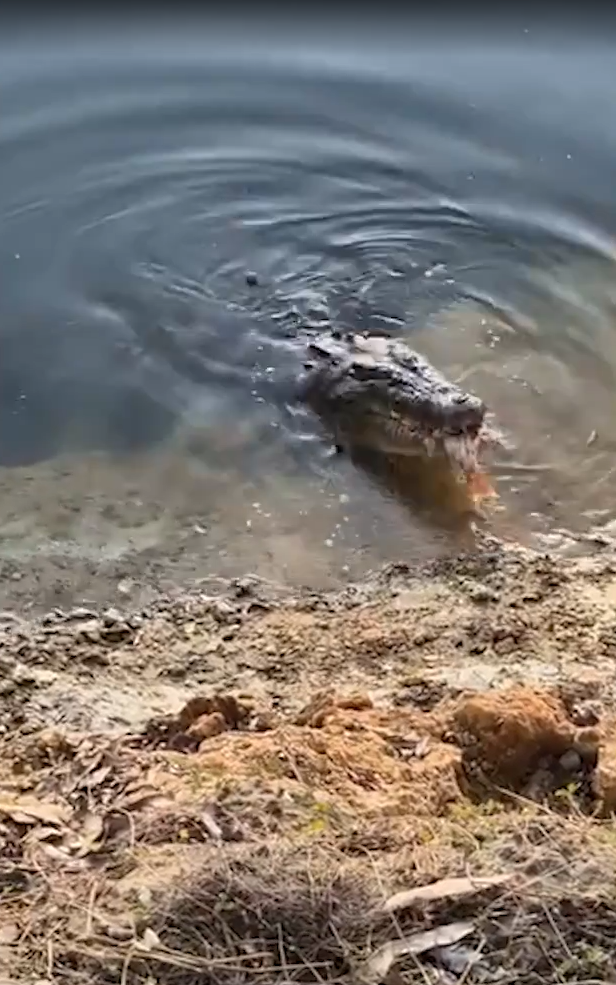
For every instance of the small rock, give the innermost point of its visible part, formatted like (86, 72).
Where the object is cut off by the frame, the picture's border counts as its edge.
(222, 611)
(586, 713)
(264, 721)
(570, 761)
(242, 587)
(586, 744)
(111, 617)
(150, 939)
(119, 932)
(483, 593)
(251, 279)
(79, 612)
(22, 674)
(125, 586)
(89, 632)
(355, 702)
(44, 677)
(144, 896)
(9, 933)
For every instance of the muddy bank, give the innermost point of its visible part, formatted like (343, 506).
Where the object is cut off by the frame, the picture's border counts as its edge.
(502, 614)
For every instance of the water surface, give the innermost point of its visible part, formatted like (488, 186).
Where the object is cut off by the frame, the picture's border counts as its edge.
(459, 191)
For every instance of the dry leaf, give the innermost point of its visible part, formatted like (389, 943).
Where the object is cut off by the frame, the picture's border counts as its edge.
(458, 958)
(59, 854)
(138, 798)
(375, 969)
(443, 889)
(98, 776)
(43, 834)
(26, 811)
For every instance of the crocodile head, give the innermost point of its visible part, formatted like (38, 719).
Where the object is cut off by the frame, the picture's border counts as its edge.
(378, 393)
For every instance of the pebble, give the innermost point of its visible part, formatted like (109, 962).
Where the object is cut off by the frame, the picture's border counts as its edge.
(111, 617)
(45, 677)
(243, 586)
(586, 713)
(22, 674)
(144, 895)
(251, 279)
(89, 631)
(570, 761)
(483, 593)
(80, 612)
(119, 932)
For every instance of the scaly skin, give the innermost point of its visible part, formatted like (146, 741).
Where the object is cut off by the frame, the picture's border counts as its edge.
(377, 393)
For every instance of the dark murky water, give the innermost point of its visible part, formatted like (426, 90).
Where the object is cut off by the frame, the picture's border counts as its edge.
(461, 189)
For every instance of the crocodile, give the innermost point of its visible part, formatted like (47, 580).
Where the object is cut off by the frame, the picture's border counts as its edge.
(375, 392)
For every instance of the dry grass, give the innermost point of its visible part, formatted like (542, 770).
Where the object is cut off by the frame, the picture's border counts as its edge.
(273, 912)
(216, 872)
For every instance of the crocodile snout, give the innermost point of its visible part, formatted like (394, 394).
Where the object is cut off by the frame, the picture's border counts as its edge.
(465, 414)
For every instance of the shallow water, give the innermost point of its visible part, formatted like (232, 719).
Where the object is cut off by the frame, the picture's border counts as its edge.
(459, 191)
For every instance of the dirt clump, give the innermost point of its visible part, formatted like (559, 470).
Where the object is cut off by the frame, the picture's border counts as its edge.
(522, 740)
(606, 776)
(201, 718)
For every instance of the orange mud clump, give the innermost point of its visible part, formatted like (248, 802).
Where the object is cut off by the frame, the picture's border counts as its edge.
(511, 735)
(340, 749)
(389, 762)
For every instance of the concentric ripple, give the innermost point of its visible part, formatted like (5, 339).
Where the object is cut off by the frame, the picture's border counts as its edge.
(412, 188)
